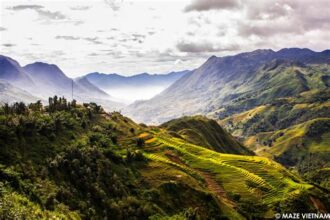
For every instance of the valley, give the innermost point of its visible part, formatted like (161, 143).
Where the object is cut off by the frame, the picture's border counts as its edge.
(241, 137)
(79, 156)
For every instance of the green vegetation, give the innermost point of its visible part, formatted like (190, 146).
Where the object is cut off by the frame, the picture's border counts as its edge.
(294, 130)
(71, 161)
(205, 132)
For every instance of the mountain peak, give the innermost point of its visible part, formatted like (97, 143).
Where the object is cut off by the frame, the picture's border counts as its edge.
(295, 50)
(11, 71)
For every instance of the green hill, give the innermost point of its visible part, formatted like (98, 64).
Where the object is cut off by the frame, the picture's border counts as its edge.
(294, 131)
(206, 132)
(70, 161)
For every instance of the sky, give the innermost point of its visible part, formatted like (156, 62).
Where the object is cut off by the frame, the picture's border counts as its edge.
(155, 36)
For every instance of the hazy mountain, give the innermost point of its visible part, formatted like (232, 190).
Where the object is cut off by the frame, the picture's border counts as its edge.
(10, 70)
(11, 94)
(41, 80)
(51, 79)
(222, 80)
(137, 87)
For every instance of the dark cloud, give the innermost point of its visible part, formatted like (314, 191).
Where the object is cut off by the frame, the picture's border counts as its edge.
(80, 8)
(8, 45)
(205, 5)
(67, 37)
(24, 7)
(203, 47)
(283, 17)
(264, 29)
(3, 29)
(267, 10)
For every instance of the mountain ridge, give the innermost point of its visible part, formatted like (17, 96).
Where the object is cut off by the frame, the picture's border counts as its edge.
(216, 83)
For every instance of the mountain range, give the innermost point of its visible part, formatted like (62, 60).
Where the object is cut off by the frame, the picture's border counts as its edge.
(253, 140)
(217, 84)
(42, 80)
(137, 87)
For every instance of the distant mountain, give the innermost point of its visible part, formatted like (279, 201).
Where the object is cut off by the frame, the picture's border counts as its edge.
(42, 80)
(11, 94)
(137, 87)
(108, 81)
(254, 76)
(10, 70)
(51, 79)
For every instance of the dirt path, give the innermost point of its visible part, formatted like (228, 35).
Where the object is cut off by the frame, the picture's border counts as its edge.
(318, 204)
(211, 183)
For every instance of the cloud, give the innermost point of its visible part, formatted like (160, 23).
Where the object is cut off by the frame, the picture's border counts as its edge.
(268, 19)
(114, 4)
(43, 13)
(89, 39)
(3, 29)
(93, 40)
(8, 45)
(264, 29)
(93, 54)
(267, 10)
(67, 37)
(80, 8)
(203, 47)
(24, 7)
(51, 15)
(206, 5)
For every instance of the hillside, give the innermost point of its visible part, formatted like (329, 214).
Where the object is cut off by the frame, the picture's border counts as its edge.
(72, 161)
(237, 83)
(11, 71)
(51, 79)
(11, 94)
(294, 131)
(205, 132)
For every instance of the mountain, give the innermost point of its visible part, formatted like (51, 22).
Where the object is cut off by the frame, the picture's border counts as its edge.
(51, 79)
(100, 165)
(294, 131)
(11, 71)
(202, 131)
(221, 81)
(11, 94)
(42, 80)
(131, 88)
(108, 81)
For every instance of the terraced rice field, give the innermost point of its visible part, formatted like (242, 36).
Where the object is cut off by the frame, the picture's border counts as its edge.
(252, 177)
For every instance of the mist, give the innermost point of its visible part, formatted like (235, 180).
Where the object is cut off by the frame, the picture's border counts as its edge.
(128, 95)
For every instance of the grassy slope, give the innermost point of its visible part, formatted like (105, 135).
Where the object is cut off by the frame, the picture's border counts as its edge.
(73, 164)
(202, 131)
(270, 84)
(242, 178)
(283, 130)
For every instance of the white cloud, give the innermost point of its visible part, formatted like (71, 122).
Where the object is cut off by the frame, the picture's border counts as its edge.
(132, 36)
